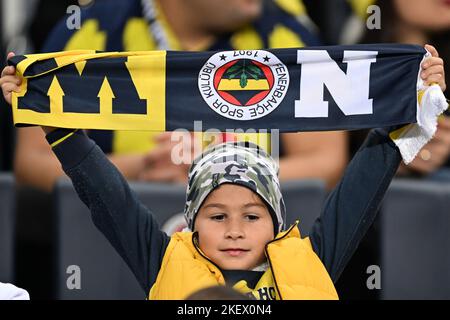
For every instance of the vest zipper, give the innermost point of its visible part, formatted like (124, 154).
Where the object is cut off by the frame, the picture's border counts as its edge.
(270, 262)
(194, 237)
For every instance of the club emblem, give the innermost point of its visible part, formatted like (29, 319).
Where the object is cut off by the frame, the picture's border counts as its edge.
(243, 85)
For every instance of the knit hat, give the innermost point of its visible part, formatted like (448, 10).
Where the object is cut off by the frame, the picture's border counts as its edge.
(241, 163)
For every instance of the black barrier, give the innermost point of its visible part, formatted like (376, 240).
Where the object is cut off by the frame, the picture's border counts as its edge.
(7, 227)
(415, 242)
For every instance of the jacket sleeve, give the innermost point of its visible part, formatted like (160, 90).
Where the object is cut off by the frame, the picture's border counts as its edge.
(352, 206)
(118, 214)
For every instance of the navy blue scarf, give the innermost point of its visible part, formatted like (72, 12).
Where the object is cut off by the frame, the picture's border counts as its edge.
(307, 89)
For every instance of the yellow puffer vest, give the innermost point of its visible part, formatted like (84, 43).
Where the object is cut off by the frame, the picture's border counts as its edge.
(297, 271)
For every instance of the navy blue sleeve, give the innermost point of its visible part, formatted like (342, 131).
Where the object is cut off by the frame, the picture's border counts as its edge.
(116, 211)
(60, 35)
(57, 39)
(352, 206)
(108, 17)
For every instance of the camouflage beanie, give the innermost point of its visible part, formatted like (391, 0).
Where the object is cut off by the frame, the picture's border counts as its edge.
(241, 163)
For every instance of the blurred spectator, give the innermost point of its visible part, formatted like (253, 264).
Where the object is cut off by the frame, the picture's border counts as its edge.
(48, 14)
(403, 21)
(339, 21)
(13, 27)
(23, 24)
(420, 22)
(180, 25)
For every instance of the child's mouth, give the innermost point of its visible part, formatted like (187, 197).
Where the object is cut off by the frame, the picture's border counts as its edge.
(235, 252)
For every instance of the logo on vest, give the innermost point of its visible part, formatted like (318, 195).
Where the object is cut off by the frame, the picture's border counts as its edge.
(243, 85)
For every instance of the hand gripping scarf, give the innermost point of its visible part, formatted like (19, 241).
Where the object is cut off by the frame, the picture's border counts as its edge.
(291, 90)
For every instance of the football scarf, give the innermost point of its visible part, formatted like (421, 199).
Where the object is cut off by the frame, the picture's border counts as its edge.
(290, 90)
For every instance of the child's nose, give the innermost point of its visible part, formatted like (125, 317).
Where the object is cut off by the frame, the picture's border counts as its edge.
(234, 230)
(234, 234)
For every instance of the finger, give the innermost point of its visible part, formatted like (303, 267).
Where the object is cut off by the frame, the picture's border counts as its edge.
(11, 79)
(7, 91)
(432, 70)
(432, 62)
(8, 71)
(432, 50)
(435, 78)
(435, 66)
(9, 87)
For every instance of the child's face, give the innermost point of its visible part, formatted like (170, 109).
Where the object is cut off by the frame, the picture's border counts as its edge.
(234, 225)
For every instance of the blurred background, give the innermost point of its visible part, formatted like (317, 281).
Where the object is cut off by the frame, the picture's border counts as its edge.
(45, 230)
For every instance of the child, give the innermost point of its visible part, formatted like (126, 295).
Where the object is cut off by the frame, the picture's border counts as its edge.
(236, 212)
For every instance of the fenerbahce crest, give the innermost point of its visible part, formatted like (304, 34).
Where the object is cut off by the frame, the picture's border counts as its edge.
(243, 85)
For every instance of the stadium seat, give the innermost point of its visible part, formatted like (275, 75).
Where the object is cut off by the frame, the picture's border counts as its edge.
(415, 241)
(7, 227)
(104, 275)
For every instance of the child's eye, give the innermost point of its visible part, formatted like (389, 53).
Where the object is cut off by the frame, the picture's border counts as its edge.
(252, 217)
(218, 217)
